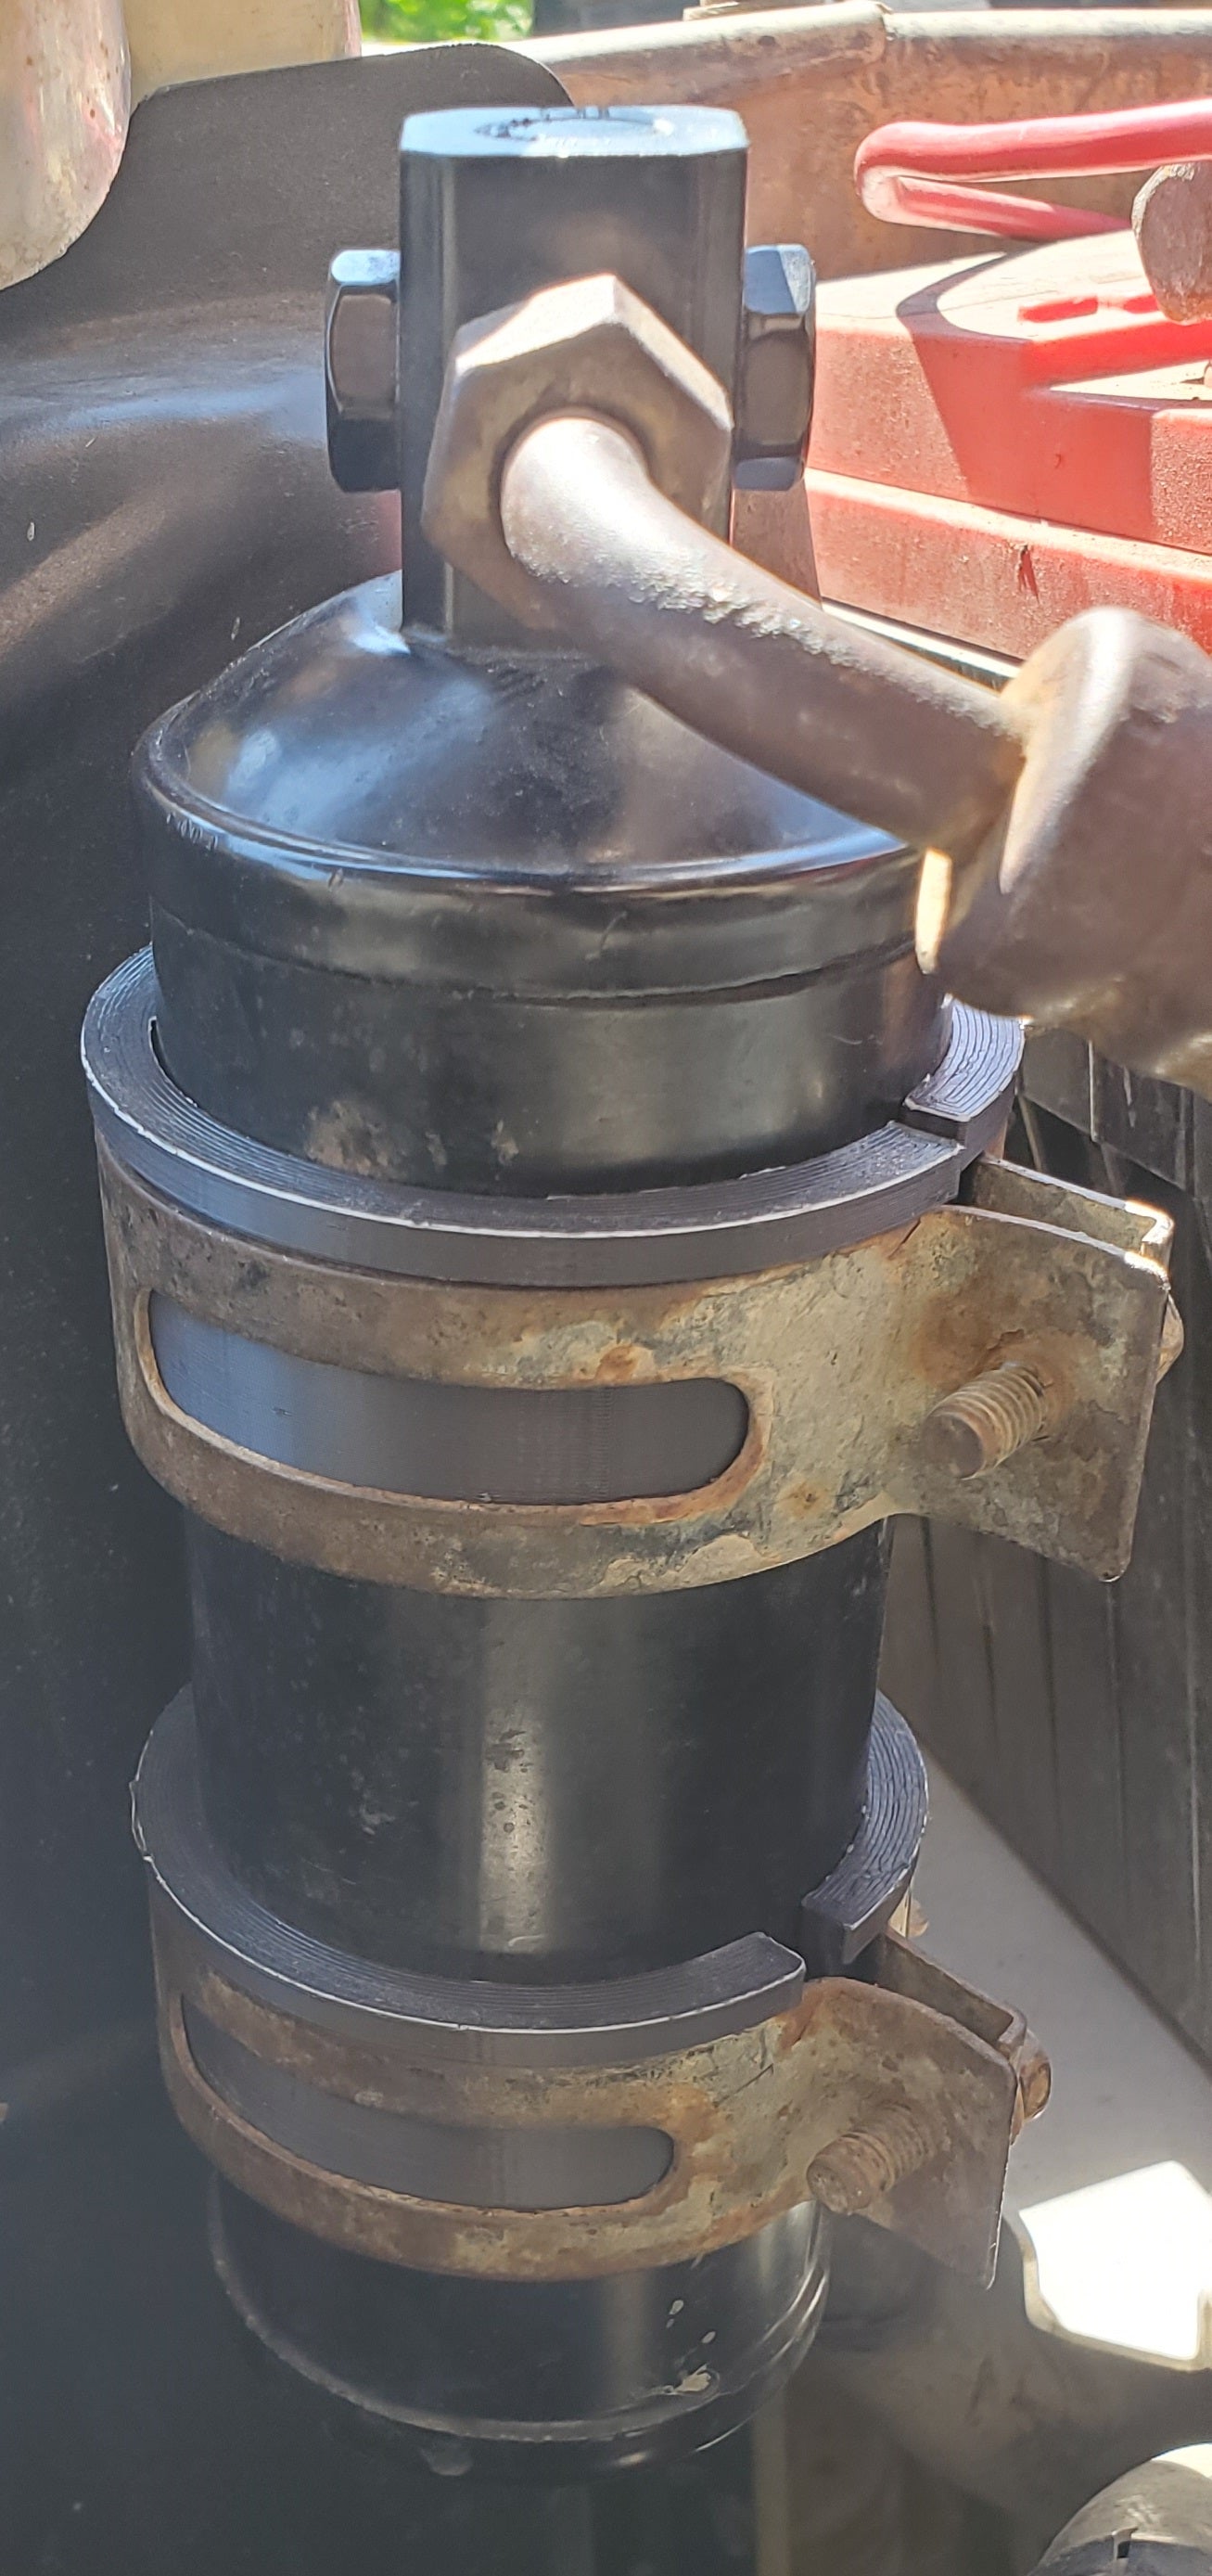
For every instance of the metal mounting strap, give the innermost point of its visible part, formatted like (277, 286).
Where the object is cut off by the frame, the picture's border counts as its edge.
(558, 2132)
(841, 1363)
(748, 2125)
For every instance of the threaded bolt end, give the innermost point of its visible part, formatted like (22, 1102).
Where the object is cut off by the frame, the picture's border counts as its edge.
(984, 1422)
(858, 2168)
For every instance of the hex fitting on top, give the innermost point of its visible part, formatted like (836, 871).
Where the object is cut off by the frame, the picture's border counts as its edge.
(590, 346)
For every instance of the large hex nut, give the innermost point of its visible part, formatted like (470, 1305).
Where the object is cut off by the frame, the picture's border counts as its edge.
(589, 346)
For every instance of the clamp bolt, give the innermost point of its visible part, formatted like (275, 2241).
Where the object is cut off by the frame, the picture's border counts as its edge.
(1034, 2083)
(861, 2166)
(984, 1422)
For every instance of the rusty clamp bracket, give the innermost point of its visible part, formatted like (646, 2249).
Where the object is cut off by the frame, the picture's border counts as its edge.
(992, 1364)
(630, 2124)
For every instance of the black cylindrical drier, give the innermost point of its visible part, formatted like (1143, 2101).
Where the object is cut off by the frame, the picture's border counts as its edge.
(480, 988)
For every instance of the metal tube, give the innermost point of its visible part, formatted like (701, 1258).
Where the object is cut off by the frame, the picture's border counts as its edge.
(628, 577)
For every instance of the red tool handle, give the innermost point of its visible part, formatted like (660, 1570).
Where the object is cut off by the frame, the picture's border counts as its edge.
(917, 173)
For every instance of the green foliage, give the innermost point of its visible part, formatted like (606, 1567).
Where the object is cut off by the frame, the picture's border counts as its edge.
(427, 22)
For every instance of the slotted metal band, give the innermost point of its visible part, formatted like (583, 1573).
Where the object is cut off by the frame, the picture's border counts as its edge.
(839, 1362)
(646, 2121)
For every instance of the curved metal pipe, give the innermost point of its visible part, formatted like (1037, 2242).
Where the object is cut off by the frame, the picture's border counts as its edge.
(625, 575)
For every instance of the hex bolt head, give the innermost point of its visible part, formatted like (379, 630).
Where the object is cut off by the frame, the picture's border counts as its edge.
(778, 353)
(1034, 2081)
(982, 1424)
(360, 366)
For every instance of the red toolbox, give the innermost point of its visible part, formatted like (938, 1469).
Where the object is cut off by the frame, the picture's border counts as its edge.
(1003, 439)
